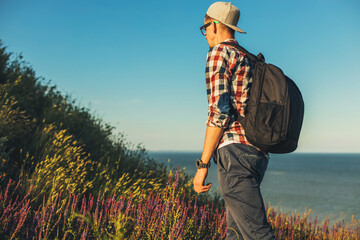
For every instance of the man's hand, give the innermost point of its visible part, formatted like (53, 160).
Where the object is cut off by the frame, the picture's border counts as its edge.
(212, 138)
(199, 181)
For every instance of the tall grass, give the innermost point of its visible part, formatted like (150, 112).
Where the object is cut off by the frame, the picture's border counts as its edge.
(161, 214)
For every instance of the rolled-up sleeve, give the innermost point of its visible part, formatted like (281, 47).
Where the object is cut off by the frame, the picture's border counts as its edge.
(217, 83)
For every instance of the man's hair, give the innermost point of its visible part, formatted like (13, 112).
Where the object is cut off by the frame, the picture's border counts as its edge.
(223, 26)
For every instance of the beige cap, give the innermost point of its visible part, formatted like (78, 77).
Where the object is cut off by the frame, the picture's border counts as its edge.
(226, 13)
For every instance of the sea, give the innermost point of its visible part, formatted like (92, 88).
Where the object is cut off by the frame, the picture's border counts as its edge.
(328, 184)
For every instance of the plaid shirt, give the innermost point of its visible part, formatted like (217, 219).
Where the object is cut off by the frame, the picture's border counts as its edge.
(228, 78)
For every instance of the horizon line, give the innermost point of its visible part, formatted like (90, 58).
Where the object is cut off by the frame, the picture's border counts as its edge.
(199, 151)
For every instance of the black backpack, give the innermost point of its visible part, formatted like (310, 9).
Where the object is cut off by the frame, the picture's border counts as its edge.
(275, 108)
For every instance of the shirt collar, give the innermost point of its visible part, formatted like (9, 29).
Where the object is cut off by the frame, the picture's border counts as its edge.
(231, 40)
(227, 40)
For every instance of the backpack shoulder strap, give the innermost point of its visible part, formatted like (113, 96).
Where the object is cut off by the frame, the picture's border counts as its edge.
(253, 59)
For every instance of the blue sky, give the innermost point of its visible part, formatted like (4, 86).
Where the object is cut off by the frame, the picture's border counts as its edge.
(139, 65)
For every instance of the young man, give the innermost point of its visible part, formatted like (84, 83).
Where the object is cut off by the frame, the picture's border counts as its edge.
(241, 166)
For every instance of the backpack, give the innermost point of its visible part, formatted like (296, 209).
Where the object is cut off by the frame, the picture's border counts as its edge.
(275, 108)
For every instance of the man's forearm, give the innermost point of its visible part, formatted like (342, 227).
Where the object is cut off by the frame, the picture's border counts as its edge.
(212, 138)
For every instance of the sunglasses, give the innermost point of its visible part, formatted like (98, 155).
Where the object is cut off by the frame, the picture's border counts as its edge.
(203, 28)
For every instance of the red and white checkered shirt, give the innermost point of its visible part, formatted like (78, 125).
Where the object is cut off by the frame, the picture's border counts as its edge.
(228, 78)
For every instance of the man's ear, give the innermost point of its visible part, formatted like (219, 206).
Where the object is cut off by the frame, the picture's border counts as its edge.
(215, 28)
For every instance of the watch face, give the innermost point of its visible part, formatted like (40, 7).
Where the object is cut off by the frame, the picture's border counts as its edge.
(198, 163)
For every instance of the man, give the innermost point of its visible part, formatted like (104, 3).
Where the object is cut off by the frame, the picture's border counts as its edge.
(241, 166)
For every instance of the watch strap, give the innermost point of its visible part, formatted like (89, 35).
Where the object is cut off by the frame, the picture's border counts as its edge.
(200, 164)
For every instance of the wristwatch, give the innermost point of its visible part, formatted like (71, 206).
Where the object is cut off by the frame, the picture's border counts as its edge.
(200, 164)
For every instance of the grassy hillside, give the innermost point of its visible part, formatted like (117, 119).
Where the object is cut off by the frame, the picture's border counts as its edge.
(51, 143)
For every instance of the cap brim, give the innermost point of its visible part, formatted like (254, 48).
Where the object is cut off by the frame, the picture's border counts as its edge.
(235, 28)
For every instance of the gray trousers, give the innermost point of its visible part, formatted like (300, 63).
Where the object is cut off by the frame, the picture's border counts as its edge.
(241, 169)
